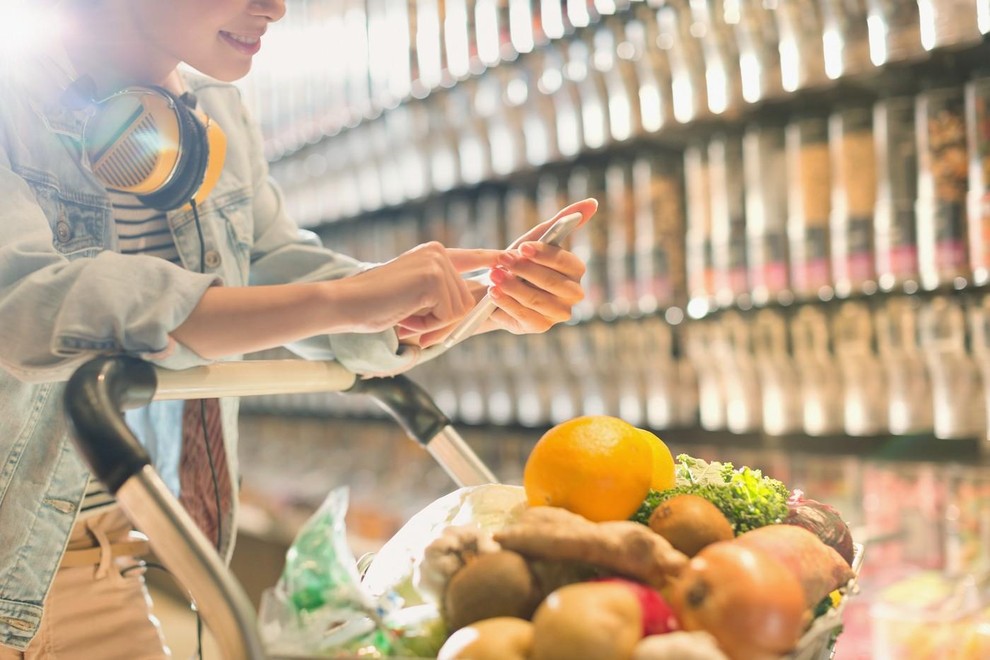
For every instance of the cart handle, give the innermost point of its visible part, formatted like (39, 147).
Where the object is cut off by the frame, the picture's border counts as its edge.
(94, 397)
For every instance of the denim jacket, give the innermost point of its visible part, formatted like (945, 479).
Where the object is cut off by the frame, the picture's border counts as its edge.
(66, 294)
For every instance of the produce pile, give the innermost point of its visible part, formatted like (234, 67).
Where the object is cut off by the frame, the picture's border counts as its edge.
(611, 549)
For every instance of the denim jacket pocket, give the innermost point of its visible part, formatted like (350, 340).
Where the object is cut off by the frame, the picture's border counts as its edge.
(238, 220)
(78, 222)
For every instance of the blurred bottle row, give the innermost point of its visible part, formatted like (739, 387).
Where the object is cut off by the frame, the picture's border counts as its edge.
(891, 365)
(889, 196)
(886, 196)
(632, 65)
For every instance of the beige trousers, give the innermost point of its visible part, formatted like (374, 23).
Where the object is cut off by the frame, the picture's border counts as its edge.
(100, 609)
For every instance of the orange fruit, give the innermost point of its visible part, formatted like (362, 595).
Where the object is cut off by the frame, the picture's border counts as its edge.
(597, 466)
(663, 462)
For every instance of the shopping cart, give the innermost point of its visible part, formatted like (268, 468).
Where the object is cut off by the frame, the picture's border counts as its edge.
(101, 389)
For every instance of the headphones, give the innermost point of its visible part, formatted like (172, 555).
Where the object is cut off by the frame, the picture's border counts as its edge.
(151, 143)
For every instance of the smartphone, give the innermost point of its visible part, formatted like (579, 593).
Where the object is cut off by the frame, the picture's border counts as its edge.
(557, 232)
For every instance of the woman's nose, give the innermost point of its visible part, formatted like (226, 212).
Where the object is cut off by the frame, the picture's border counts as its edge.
(273, 10)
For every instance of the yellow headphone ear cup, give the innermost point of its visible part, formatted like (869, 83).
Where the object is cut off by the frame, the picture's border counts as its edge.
(216, 141)
(133, 142)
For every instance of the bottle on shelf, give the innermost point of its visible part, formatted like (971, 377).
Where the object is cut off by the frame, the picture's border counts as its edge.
(909, 393)
(942, 185)
(489, 226)
(611, 57)
(945, 22)
(802, 60)
(728, 220)
(701, 346)
(978, 321)
(853, 201)
(687, 67)
(819, 378)
(659, 245)
(569, 374)
(590, 243)
(698, 233)
(470, 132)
(538, 115)
(737, 366)
(778, 377)
(764, 167)
(521, 213)
(895, 224)
(524, 26)
(652, 70)
(508, 382)
(510, 90)
(557, 83)
(720, 52)
(367, 175)
(845, 38)
(894, 31)
(621, 237)
(458, 28)
(757, 39)
(864, 388)
(628, 370)
(957, 389)
(809, 207)
(593, 95)
(662, 386)
(978, 195)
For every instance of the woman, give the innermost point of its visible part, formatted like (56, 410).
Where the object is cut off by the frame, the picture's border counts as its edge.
(86, 268)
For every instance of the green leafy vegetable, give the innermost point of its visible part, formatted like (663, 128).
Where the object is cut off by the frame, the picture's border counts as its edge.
(746, 497)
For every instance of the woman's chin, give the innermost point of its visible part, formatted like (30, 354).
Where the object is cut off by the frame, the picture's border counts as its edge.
(223, 71)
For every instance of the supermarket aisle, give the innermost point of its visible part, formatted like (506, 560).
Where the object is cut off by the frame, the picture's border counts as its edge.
(179, 623)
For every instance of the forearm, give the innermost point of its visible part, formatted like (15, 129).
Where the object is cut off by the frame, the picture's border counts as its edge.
(236, 320)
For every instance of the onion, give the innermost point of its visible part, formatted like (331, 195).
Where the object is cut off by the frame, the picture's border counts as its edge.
(745, 598)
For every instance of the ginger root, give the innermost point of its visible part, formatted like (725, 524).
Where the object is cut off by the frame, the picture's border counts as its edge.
(449, 553)
(625, 547)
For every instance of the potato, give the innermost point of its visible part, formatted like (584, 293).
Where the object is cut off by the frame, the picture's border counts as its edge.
(501, 638)
(589, 620)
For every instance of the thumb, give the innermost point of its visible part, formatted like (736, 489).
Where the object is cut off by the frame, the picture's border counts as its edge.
(586, 207)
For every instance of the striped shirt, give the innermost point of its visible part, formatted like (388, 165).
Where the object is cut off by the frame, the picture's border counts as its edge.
(140, 230)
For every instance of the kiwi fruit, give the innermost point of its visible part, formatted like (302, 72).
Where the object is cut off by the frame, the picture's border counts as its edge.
(690, 522)
(497, 584)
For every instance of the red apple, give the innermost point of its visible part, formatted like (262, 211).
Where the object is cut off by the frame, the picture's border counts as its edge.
(658, 615)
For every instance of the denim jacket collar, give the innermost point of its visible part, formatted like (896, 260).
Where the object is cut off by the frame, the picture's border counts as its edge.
(47, 78)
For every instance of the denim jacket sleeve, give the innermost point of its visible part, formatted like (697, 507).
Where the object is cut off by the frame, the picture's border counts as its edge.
(282, 252)
(57, 310)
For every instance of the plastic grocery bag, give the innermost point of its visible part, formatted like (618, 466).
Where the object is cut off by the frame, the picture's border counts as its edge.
(318, 607)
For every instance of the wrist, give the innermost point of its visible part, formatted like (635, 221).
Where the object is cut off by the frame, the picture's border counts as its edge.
(342, 307)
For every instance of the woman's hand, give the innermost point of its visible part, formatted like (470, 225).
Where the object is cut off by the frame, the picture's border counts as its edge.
(536, 285)
(419, 292)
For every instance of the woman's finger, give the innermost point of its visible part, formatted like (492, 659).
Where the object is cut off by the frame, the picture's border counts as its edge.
(554, 281)
(519, 318)
(514, 292)
(586, 207)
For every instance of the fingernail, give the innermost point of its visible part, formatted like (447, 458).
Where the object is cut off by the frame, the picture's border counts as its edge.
(507, 259)
(498, 275)
(528, 249)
